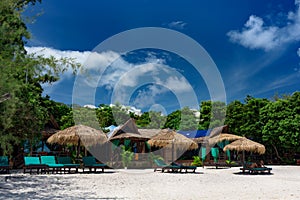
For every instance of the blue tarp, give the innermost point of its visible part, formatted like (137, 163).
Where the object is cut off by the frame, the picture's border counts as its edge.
(195, 133)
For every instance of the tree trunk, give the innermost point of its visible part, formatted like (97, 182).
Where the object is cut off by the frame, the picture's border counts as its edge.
(276, 151)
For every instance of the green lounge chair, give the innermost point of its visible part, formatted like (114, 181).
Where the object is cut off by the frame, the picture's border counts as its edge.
(254, 170)
(90, 163)
(34, 163)
(67, 162)
(261, 170)
(160, 164)
(185, 167)
(51, 163)
(4, 164)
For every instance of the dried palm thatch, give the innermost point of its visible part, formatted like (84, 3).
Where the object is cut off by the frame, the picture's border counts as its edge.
(222, 137)
(129, 136)
(218, 130)
(167, 137)
(128, 130)
(74, 135)
(149, 133)
(202, 140)
(244, 144)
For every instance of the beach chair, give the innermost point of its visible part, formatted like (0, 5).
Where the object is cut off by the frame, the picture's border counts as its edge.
(34, 163)
(90, 163)
(51, 163)
(260, 170)
(185, 167)
(67, 162)
(160, 165)
(4, 164)
(255, 170)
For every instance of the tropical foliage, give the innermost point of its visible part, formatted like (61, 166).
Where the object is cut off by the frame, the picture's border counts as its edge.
(274, 123)
(24, 115)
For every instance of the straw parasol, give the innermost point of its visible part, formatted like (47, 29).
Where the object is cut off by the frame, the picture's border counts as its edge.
(223, 137)
(78, 135)
(244, 144)
(166, 137)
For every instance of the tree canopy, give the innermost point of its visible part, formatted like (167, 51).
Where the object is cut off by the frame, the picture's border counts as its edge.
(23, 116)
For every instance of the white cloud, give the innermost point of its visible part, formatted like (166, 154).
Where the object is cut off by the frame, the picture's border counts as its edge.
(113, 72)
(146, 98)
(177, 25)
(298, 52)
(154, 73)
(89, 60)
(255, 35)
(181, 84)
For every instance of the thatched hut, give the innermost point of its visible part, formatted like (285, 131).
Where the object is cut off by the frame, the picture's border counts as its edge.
(168, 137)
(170, 144)
(129, 135)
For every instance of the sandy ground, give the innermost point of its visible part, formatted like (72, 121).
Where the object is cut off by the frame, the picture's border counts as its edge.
(206, 183)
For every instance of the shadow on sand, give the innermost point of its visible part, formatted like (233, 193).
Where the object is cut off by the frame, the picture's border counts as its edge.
(253, 174)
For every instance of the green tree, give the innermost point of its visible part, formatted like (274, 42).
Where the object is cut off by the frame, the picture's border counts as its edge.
(86, 116)
(244, 119)
(22, 117)
(212, 114)
(173, 120)
(105, 116)
(120, 113)
(188, 119)
(252, 125)
(151, 120)
(144, 120)
(281, 130)
(235, 117)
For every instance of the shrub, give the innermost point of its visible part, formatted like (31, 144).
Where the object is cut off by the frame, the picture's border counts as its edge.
(197, 161)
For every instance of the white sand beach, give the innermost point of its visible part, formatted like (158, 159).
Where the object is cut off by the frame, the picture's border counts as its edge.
(206, 183)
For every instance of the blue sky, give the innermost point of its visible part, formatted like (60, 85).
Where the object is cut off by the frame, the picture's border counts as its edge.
(254, 45)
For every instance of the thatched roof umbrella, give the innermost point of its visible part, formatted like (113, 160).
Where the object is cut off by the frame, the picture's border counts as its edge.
(244, 144)
(223, 137)
(166, 137)
(78, 135)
